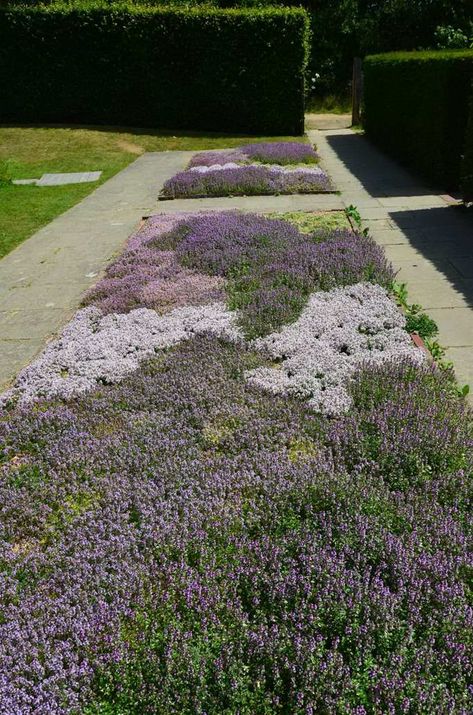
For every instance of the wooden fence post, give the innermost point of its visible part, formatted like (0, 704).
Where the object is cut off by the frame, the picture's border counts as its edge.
(357, 91)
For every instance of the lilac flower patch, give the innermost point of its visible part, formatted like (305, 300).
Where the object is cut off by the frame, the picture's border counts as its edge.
(218, 157)
(281, 152)
(95, 349)
(153, 279)
(337, 333)
(264, 152)
(258, 499)
(253, 179)
(161, 533)
(271, 267)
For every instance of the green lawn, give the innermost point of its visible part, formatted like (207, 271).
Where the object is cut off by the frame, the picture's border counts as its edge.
(29, 152)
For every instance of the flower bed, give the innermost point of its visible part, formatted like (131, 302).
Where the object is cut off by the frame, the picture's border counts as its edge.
(264, 152)
(197, 520)
(253, 169)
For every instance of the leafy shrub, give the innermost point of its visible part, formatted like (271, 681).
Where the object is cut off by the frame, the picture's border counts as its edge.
(202, 68)
(416, 108)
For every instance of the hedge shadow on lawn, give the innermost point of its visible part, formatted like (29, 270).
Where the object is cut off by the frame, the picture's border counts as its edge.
(380, 175)
(145, 131)
(445, 237)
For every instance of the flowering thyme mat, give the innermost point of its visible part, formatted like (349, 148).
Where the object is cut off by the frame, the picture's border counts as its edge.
(253, 169)
(233, 485)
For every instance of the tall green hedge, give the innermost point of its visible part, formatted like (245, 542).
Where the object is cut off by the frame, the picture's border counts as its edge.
(467, 166)
(200, 68)
(416, 108)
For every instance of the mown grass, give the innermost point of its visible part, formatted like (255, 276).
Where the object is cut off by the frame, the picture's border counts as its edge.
(29, 152)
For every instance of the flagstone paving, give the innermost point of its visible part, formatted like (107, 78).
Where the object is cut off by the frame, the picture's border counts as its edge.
(427, 237)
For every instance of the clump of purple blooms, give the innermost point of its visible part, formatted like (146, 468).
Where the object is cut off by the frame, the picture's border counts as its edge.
(271, 267)
(183, 542)
(183, 268)
(281, 152)
(175, 539)
(266, 267)
(263, 152)
(253, 179)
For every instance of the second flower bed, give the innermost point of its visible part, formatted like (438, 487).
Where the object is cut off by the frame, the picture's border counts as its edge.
(264, 168)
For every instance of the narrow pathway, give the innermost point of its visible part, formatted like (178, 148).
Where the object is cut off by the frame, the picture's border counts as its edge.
(427, 238)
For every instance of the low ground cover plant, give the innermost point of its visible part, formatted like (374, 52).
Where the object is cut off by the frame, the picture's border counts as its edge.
(260, 168)
(264, 152)
(177, 537)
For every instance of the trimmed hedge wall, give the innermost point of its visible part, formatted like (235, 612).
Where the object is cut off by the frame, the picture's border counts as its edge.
(467, 167)
(416, 108)
(239, 70)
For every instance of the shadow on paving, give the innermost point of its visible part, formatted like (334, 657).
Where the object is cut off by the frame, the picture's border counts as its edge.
(379, 174)
(444, 236)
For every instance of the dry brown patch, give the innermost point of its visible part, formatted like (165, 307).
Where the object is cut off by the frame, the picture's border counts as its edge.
(130, 147)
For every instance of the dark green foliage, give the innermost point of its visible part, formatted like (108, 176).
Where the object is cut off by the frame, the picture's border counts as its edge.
(467, 166)
(420, 323)
(343, 29)
(201, 68)
(416, 108)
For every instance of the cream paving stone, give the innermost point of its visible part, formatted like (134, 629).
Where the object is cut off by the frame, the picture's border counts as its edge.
(298, 202)
(461, 358)
(33, 324)
(425, 271)
(439, 292)
(455, 325)
(34, 296)
(391, 236)
(14, 355)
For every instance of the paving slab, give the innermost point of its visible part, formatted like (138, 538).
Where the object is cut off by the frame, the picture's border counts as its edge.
(426, 235)
(81, 177)
(293, 202)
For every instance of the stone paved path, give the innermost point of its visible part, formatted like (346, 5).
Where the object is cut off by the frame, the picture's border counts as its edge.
(429, 240)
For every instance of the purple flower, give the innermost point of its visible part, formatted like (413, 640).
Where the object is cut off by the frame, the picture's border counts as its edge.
(245, 180)
(281, 152)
